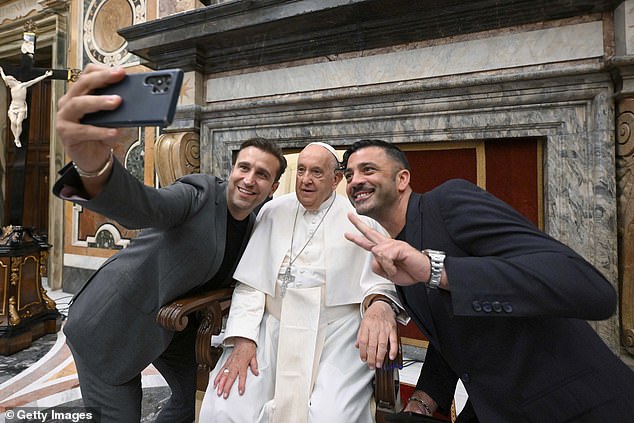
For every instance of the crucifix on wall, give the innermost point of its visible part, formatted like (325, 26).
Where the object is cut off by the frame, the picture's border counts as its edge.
(19, 80)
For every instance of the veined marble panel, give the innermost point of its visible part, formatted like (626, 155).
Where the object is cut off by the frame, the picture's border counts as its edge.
(543, 46)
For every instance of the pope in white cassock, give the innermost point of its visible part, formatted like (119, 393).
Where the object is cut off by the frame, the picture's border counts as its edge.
(295, 320)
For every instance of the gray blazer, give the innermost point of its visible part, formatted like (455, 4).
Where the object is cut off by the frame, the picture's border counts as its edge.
(112, 319)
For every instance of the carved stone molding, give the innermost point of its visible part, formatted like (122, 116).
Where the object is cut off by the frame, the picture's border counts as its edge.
(232, 35)
(625, 198)
(177, 154)
(55, 5)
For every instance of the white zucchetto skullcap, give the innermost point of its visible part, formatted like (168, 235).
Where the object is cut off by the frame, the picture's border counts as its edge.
(327, 147)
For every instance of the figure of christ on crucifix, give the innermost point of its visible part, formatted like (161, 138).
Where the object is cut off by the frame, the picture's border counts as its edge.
(13, 75)
(18, 108)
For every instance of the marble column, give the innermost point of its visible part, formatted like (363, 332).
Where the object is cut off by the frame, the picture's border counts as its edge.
(625, 178)
(624, 81)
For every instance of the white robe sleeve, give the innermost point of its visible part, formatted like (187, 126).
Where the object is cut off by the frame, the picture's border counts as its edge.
(245, 314)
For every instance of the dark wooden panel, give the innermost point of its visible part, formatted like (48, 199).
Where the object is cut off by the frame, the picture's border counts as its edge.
(430, 168)
(512, 175)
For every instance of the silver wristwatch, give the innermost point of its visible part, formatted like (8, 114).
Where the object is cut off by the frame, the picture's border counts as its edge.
(437, 262)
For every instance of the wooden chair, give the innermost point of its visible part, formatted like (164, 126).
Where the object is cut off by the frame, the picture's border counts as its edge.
(212, 307)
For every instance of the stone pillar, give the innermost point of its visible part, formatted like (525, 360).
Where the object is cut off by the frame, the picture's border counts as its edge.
(625, 180)
(624, 82)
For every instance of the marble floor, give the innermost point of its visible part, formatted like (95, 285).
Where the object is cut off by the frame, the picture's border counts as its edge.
(44, 376)
(15, 364)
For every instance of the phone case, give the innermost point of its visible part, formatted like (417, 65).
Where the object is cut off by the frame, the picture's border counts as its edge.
(149, 99)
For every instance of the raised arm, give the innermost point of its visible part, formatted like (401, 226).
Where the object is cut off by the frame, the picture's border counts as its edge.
(38, 79)
(89, 147)
(507, 259)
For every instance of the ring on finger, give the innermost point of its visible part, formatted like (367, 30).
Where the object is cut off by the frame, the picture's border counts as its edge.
(225, 371)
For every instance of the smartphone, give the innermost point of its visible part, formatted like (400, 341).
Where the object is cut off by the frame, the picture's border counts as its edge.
(149, 99)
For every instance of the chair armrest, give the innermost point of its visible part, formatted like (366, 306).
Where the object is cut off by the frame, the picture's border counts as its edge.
(210, 308)
(174, 316)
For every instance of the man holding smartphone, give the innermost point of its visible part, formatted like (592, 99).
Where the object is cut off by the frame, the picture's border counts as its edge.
(193, 234)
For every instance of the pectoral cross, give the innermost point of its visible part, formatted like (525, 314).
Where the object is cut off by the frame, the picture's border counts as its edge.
(286, 279)
(18, 112)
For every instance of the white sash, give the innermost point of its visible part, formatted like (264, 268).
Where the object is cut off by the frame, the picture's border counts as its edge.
(303, 322)
(298, 341)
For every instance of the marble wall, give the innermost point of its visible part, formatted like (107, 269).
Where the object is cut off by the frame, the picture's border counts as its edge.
(573, 113)
(515, 93)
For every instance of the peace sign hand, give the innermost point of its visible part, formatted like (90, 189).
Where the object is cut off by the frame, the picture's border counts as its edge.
(394, 260)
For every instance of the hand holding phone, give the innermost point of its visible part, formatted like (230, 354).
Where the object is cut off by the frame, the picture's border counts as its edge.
(148, 99)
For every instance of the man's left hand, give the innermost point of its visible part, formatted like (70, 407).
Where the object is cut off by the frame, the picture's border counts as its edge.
(376, 333)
